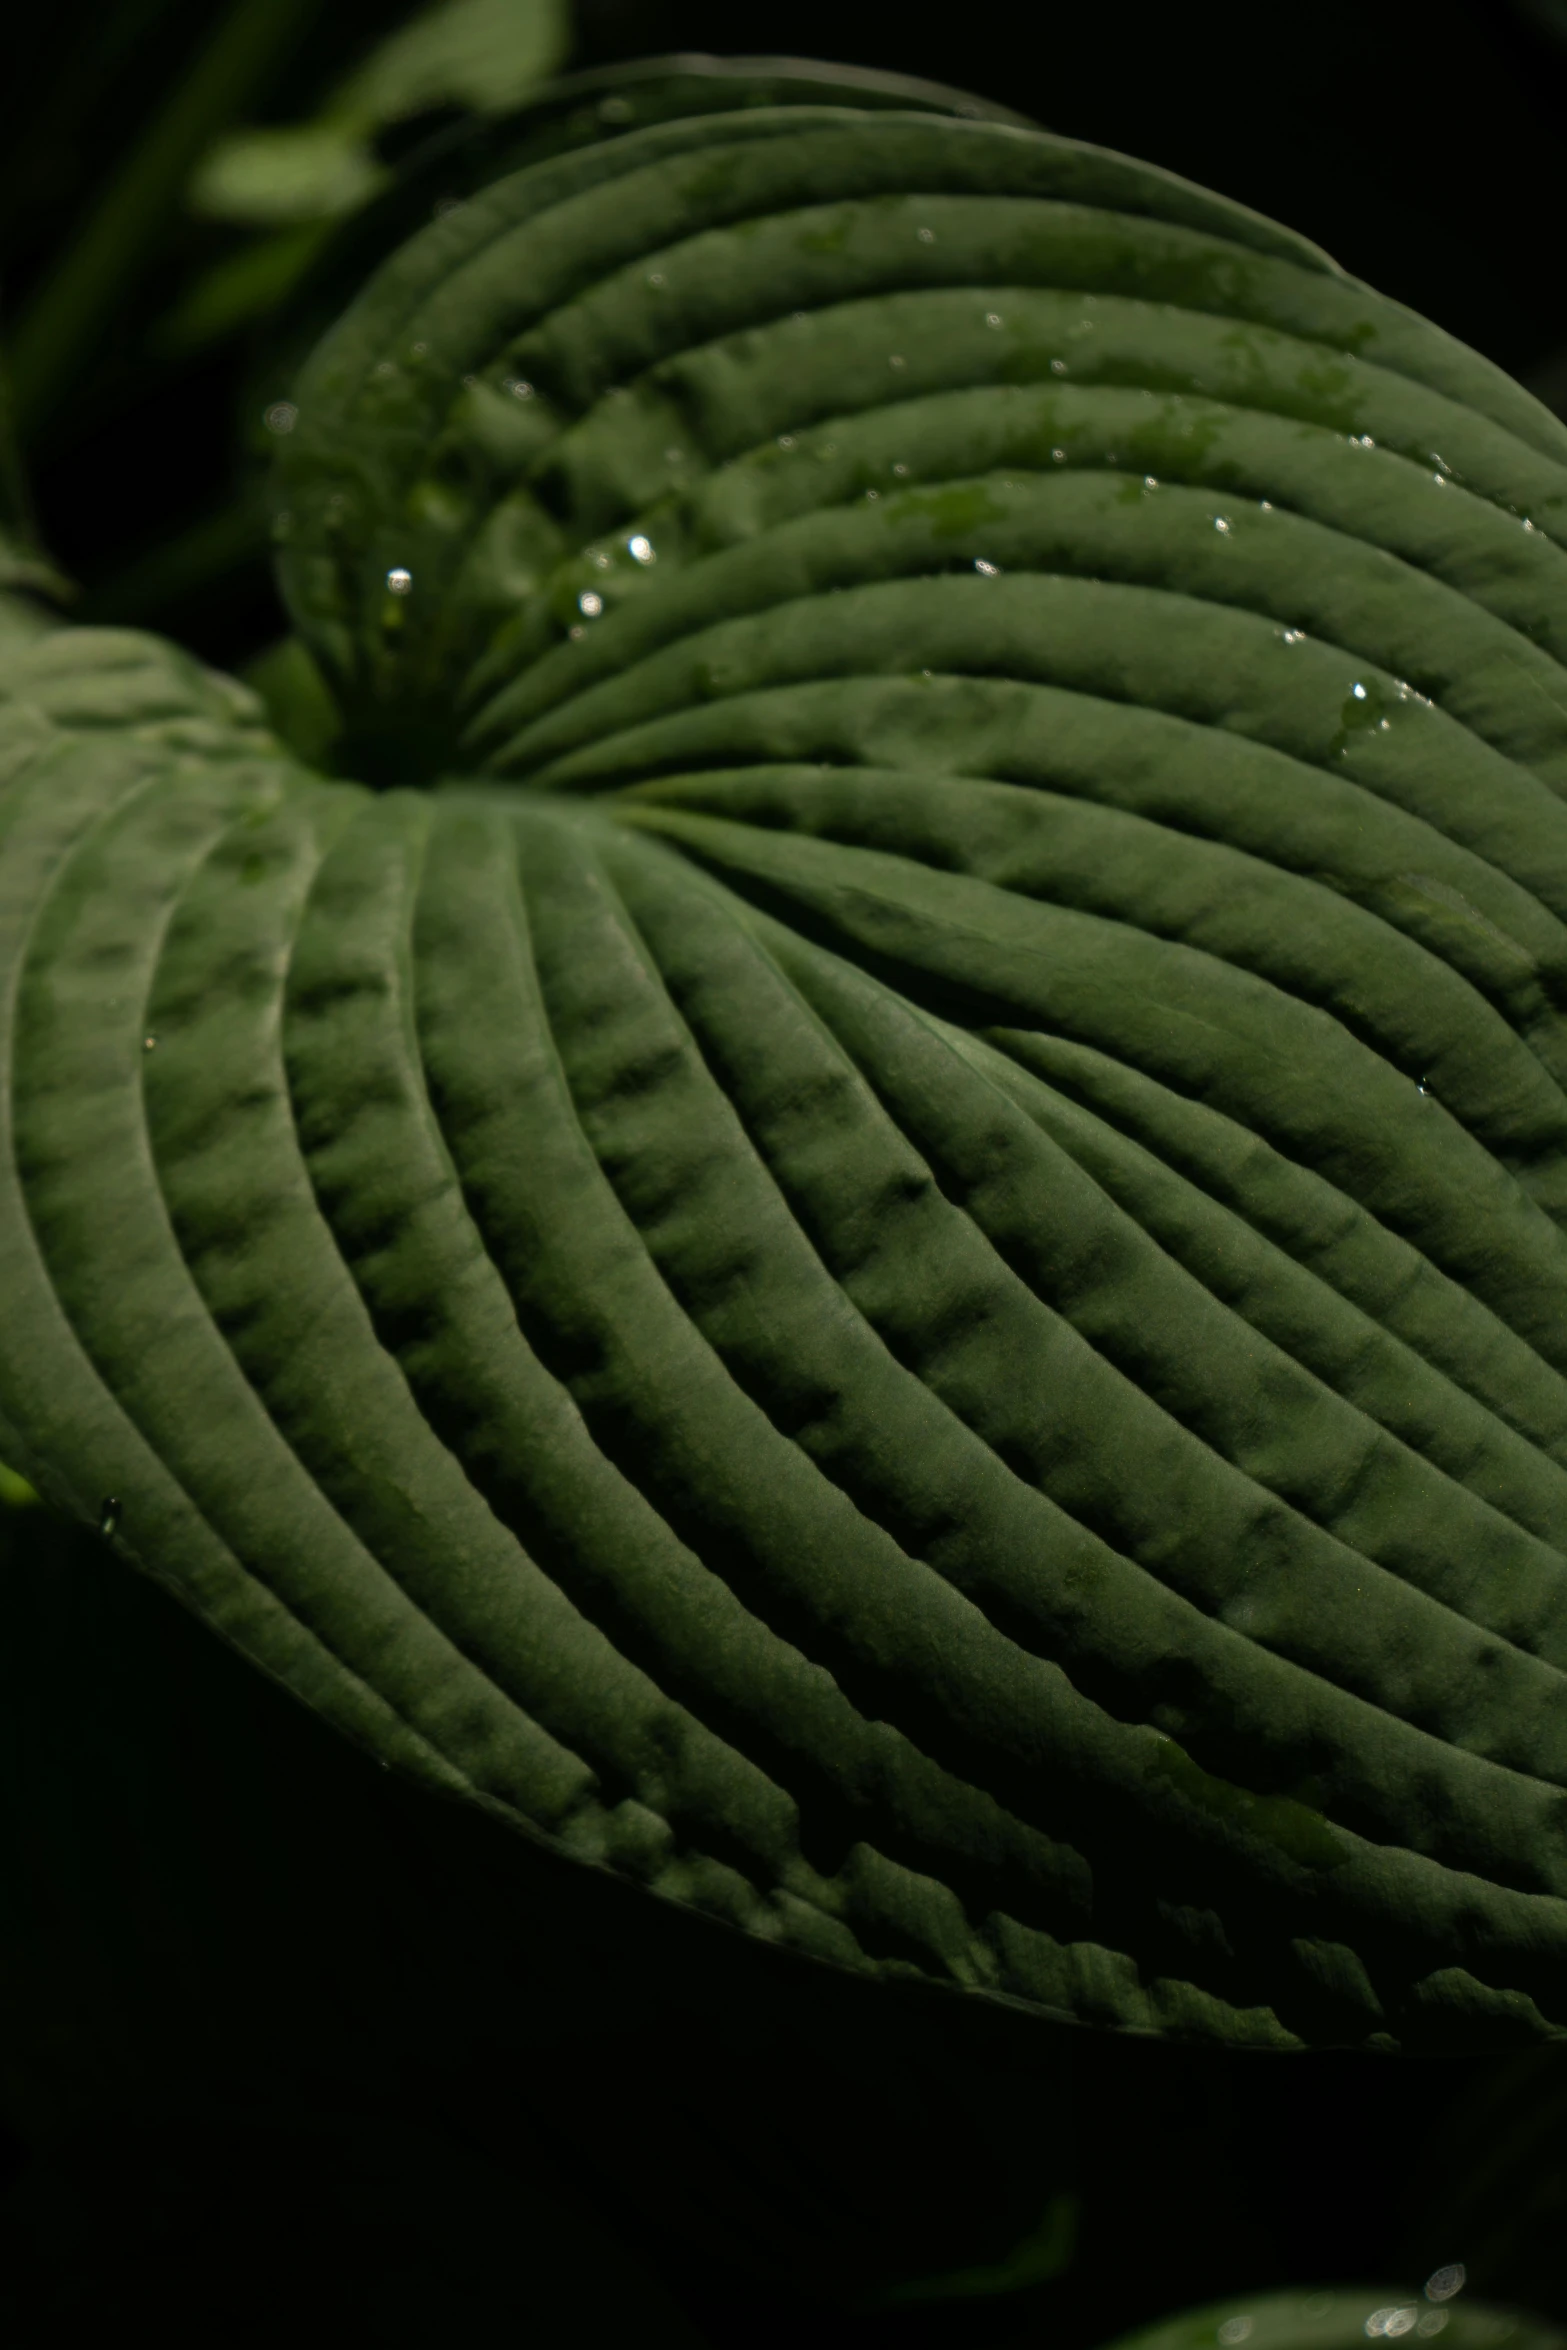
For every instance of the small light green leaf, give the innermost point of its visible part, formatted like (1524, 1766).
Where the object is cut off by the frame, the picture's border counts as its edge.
(15, 1492)
(278, 178)
(482, 54)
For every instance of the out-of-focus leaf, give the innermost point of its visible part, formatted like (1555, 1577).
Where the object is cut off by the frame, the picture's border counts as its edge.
(15, 1492)
(278, 178)
(483, 54)
(1037, 2259)
(297, 701)
(241, 287)
(103, 263)
(1348, 2318)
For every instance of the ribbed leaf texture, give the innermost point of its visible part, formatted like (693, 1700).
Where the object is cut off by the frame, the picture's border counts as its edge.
(870, 1223)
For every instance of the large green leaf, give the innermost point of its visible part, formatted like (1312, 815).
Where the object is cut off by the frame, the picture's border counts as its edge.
(875, 1234)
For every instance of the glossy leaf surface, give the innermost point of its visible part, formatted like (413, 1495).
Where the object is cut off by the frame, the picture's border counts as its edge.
(872, 1229)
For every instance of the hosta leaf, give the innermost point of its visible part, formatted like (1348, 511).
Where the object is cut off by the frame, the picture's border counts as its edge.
(882, 1242)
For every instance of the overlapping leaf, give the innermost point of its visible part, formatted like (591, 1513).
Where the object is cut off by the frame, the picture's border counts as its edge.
(874, 1228)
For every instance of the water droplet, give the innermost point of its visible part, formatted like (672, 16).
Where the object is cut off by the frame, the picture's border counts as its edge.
(986, 570)
(1149, 482)
(518, 389)
(927, 236)
(281, 417)
(896, 359)
(641, 550)
(445, 206)
(1221, 522)
(873, 493)
(1432, 2322)
(470, 381)
(656, 277)
(1361, 440)
(109, 1517)
(927, 673)
(384, 367)
(419, 350)
(1528, 525)
(1058, 367)
(398, 581)
(1422, 1087)
(589, 604)
(992, 318)
(1292, 636)
(1058, 456)
(900, 469)
(786, 440)
(576, 629)
(600, 559)
(1235, 2329)
(1358, 690)
(1444, 2282)
(616, 110)
(149, 1044)
(1440, 480)
(1264, 505)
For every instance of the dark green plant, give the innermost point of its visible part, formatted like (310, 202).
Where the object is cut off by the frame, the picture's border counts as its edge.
(830, 1171)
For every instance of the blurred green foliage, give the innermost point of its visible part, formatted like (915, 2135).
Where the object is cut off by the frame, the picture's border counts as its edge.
(168, 178)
